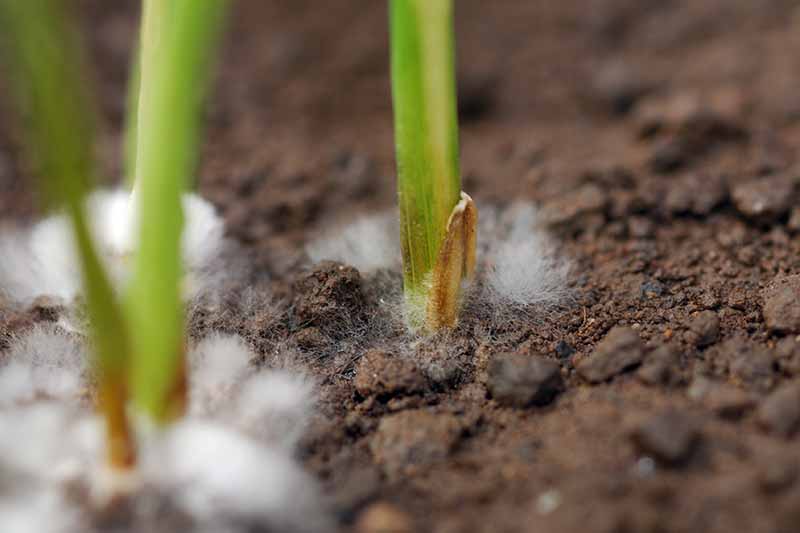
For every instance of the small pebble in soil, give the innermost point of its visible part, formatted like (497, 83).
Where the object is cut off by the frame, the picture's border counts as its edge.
(619, 350)
(782, 304)
(652, 289)
(670, 437)
(383, 517)
(668, 155)
(645, 467)
(519, 380)
(548, 501)
(409, 442)
(779, 413)
(383, 374)
(763, 199)
(564, 350)
(703, 329)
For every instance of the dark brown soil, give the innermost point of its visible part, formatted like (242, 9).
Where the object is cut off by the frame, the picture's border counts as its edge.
(660, 139)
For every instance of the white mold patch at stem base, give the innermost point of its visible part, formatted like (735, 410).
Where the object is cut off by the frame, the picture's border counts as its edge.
(43, 260)
(229, 465)
(517, 264)
(216, 473)
(523, 268)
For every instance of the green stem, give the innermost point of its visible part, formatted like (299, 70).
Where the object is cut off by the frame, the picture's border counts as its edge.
(177, 40)
(58, 116)
(426, 131)
(131, 130)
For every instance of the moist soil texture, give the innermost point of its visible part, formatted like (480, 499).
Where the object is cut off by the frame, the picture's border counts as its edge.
(658, 140)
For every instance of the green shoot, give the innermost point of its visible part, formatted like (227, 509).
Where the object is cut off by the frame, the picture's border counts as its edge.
(177, 39)
(47, 64)
(131, 110)
(426, 140)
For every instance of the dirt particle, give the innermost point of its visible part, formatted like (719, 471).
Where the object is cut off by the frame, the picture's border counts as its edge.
(793, 224)
(670, 437)
(763, 199)
(46, 309)
(668, 155)
(703, 329)
(782, 304)
(521, 380)
(737, 299)
(697, 194)
(330, 297)
(787, 352)
(382, 517)
(444, 364)
(753, 365)
(727, 401)
(660, 367)
(11, 325)
(690, 126)
(311, 340)
(574, 210)
(620, 350)
(652, 289)
(779, 413)
(410, 441)
(382, 374)
(777, 472)
(641, 227)
(563, 350)
(746, 362)
(617, 87)
(354, 488)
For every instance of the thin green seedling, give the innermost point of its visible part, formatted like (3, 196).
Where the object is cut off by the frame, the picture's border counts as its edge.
(437, 220)
(177, 40)
(131, 110)
(59, 125)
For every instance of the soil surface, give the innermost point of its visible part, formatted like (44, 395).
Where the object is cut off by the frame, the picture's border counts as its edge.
(659, 139)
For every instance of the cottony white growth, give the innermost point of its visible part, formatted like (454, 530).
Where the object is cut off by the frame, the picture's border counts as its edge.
(229, 465)
(215, 473)
(44, 362)
(217, 367)
(43, 260)
(523, 267)
(369, 243)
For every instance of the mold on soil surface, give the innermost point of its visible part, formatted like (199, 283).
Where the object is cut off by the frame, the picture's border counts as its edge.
(659, 140)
